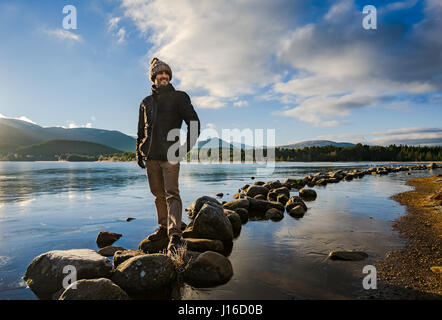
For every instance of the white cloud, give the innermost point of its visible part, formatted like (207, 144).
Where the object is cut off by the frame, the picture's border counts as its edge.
(113, 22)
(241, 103)
(22, 118)
(72, 124)
(64, 34)
(208, 102)
(121, 35)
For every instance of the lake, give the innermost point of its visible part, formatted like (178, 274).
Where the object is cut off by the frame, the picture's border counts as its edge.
(63, 205)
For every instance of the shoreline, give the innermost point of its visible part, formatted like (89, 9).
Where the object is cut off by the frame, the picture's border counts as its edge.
(414, 272)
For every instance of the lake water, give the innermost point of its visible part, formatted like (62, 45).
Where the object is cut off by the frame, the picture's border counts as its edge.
(63, 205)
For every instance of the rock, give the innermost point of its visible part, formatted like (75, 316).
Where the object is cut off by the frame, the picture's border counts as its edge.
(260, 197)
(44, 274)
(293, 183)
(121, 256)
(432, 166)
(436, 269)
(145, 274)
(220, 194)
(307, 194)
(273, 185)
(94, 289)
(273, 193)
(259, 183)
(201, 245)
(252, 178)
(239, 195)
(208, 269)
(243, 214)
(129, 219)
(210, 223)
(197, 204)
(282, 198)
(109, 251)
(261, 206)
(274, 214)
(153, 246)
(348, 255)
(235, 221)
(254, 190)
(105, 238)
(297, 211)
(295, 201)
(238, 203)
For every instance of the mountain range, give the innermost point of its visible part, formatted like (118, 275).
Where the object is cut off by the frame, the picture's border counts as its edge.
(18, 136)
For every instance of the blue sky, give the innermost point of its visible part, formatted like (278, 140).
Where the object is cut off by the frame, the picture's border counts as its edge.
(307, 69)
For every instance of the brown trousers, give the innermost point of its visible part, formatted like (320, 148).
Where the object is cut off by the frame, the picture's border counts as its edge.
(163, 182)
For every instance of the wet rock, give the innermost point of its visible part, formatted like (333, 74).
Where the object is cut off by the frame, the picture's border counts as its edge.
(129, 219)
(238, 203)
(293, 183)
(44, 274)
(235, 221)
(210, 223)
(121, 256)
(261, 206)
(274, 214)
(220, 194)
(202, 245)
(348, 255)
(243, 214)
(273, 184)
(258, 183)
(260, 197)
(307, 194)
(282, 198)
(153, 246)
(208, 269)
(295, 201)
(145, 274)
(273, 193)
(254, 190)
(109, 251)
(106, 238)
(94, 289)
(196, 205)
(239, 195)
(297, 211)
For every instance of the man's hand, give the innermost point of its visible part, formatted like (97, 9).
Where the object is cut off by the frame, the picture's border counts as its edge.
(140, 161)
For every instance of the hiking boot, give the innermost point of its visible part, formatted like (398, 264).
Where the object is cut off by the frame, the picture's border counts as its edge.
(160, 233)
(176, 241)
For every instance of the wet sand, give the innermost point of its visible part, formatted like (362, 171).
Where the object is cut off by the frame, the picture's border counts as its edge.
(407, 273)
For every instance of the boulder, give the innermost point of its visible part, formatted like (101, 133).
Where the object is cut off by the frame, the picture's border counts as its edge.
(145, 274)
(129, 219)
(297, 211)
(94, 289)
(261, 206)
(273, 184)
(208, 269)
(274, 214)
(243, 214)
(109, 251)
(260, 197)
(210, 223)
(295, 201)
(153, 246)
(121, 256)
(220, 194)
(238, 203)
(282, 198)
(202, 245)
(348, 255)
(307, 194)
(235, 221)
(44, 274)
(197, 204)
(106, 238)
(254, 190)
(273, 193)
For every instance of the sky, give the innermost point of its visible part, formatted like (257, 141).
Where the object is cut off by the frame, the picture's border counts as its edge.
(307, 69)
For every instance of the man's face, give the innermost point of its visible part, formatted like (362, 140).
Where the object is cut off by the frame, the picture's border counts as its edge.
(162, 79)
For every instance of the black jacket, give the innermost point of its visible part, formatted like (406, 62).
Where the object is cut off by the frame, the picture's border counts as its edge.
(164, 110)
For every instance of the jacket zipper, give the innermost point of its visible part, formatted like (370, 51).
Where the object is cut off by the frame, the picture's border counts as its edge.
(154, 117)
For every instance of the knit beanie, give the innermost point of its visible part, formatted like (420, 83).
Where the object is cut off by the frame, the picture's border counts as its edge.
(157, 66)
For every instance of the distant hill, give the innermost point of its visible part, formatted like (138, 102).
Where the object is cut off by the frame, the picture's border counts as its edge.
(72, 150)
(316, 143)
(14, 132)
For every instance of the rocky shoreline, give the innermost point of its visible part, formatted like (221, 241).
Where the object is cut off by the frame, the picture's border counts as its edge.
(150, 272)
(415, 272)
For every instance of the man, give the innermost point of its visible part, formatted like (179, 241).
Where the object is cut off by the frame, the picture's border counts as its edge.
(164, 110)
